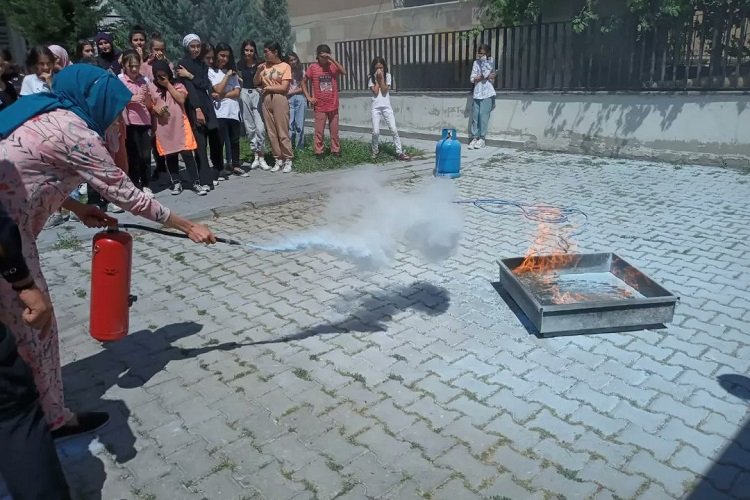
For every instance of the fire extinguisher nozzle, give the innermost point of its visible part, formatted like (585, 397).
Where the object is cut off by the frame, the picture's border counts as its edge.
(132, 299)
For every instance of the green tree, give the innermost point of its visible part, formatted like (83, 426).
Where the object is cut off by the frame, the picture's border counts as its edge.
(278, 28)
(647, 13)
(173, 19)
(232, 22)
(60, 22)
(229, 21)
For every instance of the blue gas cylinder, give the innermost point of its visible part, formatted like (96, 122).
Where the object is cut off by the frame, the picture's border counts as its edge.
(448, 155)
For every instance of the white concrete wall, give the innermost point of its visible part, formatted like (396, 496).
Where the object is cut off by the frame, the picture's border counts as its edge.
(689, 127)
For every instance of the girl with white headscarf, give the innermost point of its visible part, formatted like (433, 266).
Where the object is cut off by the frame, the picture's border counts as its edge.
(193, 74)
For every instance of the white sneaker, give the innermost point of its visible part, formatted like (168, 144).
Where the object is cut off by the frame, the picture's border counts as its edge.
(256, 163)
(148, 192)
(287, 166)
(199, 190)
(206, 188)
(277, 165)
(216, 183)
(479, 144)
(263, 164)
(114, 209)
(176, 188)
(472, 144)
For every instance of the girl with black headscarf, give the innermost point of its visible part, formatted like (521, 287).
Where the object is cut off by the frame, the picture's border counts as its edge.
(108, 56)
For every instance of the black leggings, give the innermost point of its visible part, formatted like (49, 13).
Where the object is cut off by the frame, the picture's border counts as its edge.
(206, 137)
(28, 461)
(233, 130)
(138, 145)
(191, 168)
(161, 164)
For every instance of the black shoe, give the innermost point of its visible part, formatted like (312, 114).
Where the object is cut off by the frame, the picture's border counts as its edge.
(87, 422)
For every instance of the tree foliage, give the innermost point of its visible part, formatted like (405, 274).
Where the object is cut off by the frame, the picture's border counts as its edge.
(647, 13)
(229, 21)
(61, 22)
(278, 27)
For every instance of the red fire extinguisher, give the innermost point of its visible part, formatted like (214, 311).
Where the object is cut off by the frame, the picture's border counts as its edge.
(110, 285)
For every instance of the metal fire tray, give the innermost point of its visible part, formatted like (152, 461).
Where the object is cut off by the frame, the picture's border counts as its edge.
(604, 294)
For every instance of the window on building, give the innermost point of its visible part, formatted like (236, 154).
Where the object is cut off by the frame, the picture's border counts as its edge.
(400, 4)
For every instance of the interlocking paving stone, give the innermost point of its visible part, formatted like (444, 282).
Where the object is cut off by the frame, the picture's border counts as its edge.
(427, 353)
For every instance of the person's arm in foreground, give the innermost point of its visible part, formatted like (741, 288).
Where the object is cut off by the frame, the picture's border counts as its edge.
(13, 268)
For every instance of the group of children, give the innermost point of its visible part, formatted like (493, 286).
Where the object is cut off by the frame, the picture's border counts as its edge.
(197, 108)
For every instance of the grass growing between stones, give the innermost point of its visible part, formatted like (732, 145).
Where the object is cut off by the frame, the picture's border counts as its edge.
(353, 152)
(67, 242)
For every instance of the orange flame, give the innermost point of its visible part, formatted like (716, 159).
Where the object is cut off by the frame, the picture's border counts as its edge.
(544, 258)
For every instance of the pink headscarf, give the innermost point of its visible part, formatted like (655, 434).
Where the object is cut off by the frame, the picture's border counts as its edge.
(61, 54)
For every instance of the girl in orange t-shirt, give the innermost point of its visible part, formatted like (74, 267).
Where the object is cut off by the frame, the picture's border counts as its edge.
(274, 77)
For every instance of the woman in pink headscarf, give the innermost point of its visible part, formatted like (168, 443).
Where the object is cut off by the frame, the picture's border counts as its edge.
(61, 57)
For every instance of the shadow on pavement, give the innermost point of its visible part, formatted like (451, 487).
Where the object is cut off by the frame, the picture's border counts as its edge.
(373, 312)
(128, 363)
(736, 455)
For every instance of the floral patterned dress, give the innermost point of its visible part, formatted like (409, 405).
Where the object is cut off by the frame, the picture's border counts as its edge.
(40, 163)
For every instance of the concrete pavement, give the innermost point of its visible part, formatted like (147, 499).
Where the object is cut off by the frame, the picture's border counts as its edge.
(298, 376)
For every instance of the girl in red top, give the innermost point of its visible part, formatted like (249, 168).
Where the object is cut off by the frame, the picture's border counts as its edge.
(323, 76)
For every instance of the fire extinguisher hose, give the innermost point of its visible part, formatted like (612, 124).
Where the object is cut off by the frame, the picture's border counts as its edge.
(228, 241)
(170, 233)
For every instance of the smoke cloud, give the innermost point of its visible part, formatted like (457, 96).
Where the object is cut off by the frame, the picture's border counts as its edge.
(367, 222)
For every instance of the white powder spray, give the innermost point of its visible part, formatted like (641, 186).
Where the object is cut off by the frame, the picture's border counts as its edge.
(366, 221)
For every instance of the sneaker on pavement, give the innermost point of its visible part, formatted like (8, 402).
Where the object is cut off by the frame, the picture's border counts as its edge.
(215, 182)
(148, 192)
(480, 144)
(176, 188)
(223, 175)
(472, 144)
(404, 157)
(199, 190)
(256, 163)
(287, 166)
(240, 171)
(56, 219)
(276, 165)
(264, 165)
(206, 188)
(114, 209)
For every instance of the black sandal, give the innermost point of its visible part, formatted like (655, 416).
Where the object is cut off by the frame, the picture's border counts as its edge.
(87, 422)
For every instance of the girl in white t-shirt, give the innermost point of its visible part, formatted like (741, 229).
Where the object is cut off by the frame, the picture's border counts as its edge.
(380, 83)
(226, 97)
(41, 62)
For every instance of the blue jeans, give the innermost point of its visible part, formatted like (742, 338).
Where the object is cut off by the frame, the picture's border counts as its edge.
(297, 107)
(480, 117)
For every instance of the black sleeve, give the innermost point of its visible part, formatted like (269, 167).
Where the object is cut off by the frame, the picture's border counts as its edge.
(12, 264)
(201, 80)
(194, 94)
